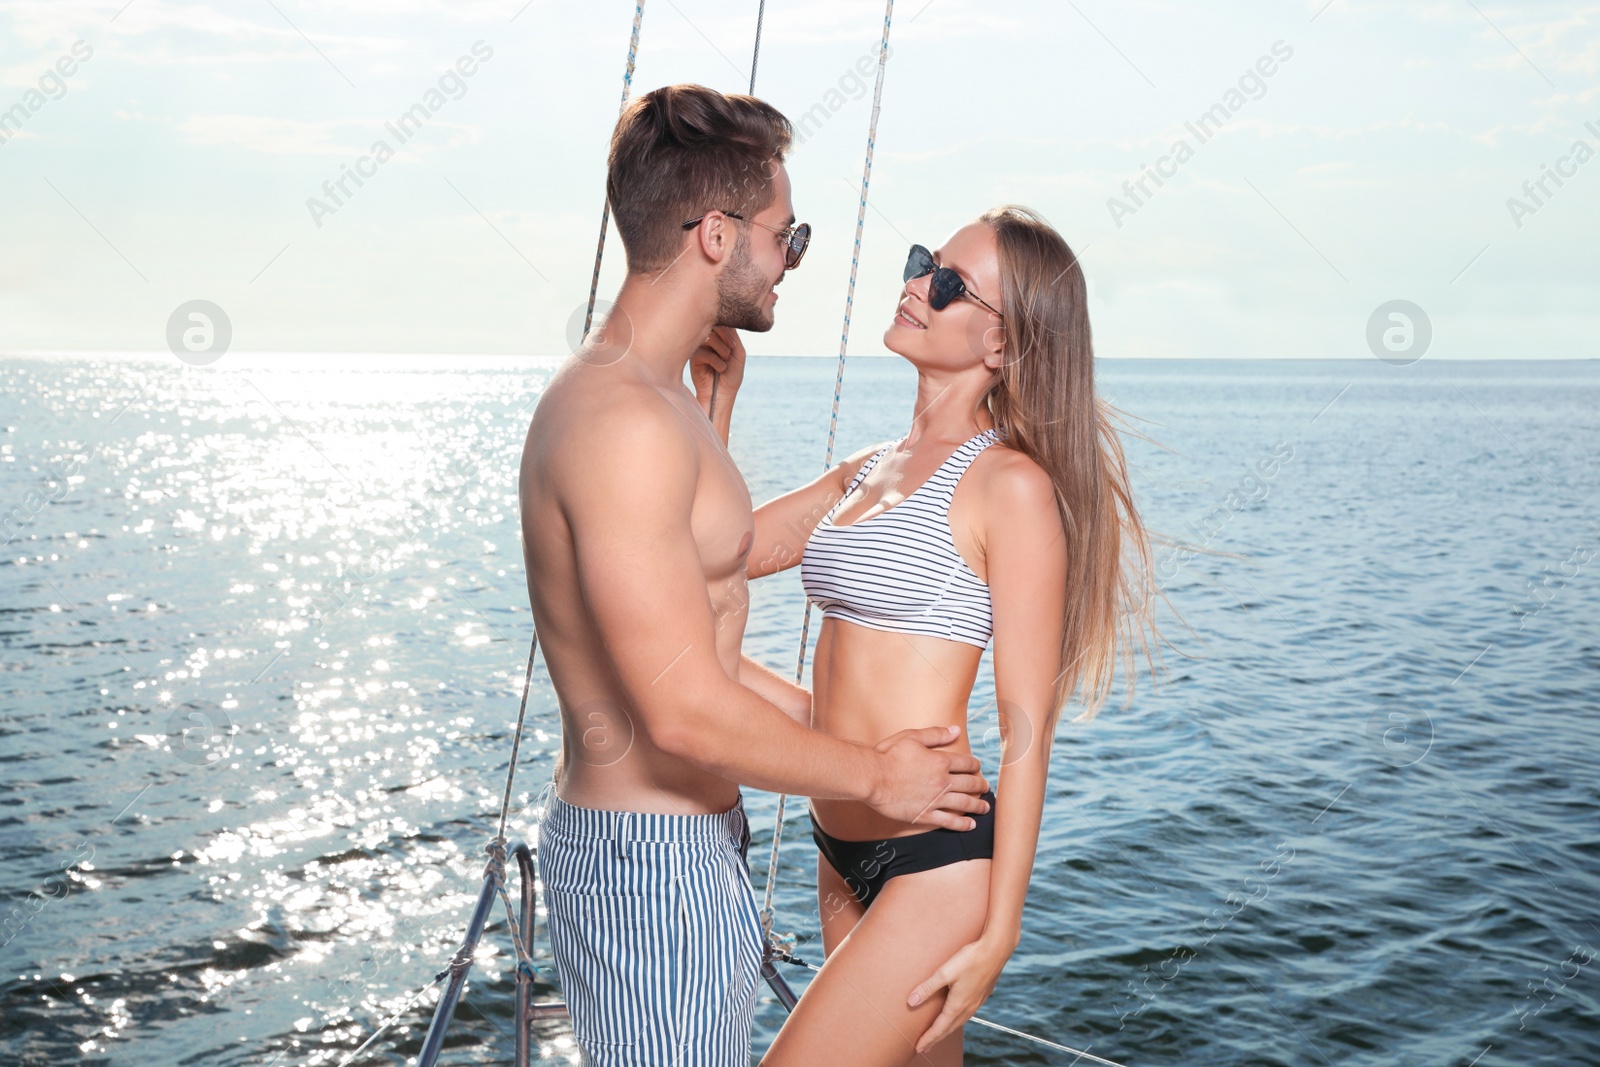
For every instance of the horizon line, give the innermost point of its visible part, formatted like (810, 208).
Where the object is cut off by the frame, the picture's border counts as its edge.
(156, 353)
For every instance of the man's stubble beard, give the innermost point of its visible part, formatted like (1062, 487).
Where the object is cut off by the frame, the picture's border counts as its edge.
(742, 292)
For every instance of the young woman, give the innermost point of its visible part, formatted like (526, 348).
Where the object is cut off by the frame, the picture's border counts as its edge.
(1004, 513)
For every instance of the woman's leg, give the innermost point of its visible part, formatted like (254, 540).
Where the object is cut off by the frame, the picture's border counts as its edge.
(838, 907)
(855, 1009)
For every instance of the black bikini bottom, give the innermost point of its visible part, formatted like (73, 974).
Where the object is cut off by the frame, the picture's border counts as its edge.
(866, 865)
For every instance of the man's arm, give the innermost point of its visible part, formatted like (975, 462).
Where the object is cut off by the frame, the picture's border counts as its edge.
(628, 504)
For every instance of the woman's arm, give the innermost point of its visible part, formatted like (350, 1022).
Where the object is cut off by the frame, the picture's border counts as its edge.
(784, 523)
(1026, 559)
(772, 687)
(1025, 549)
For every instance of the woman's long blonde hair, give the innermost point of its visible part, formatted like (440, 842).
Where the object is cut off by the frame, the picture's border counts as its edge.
(1043, 400)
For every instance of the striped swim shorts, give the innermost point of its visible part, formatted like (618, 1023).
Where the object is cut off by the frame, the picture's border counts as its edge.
(655, 932)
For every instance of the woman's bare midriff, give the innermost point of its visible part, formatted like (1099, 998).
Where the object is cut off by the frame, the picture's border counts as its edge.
(868, 684)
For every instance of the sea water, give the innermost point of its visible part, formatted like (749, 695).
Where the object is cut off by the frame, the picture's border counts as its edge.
(265, 625)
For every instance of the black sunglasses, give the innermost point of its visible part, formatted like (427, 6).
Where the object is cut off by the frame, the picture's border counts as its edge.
(795, 237)
(947, 284)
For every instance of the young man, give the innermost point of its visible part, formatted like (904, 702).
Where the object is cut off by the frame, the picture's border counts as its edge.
(636, 526)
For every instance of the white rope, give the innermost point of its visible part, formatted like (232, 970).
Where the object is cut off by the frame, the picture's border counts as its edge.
(755, 56)
(761, 14)
(833, 426)
(605, 214)
(833, 421)
(522, 941)
(391, 1021)
(497, 848)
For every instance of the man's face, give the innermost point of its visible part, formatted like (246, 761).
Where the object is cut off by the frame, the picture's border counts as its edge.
(745, 288)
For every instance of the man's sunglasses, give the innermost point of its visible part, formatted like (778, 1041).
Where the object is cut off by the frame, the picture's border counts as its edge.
(795, 237)
(947, 284)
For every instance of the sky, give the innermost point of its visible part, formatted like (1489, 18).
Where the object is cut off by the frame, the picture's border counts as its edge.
(154, 153)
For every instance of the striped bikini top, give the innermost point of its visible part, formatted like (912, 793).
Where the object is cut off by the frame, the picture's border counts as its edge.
(899, 570)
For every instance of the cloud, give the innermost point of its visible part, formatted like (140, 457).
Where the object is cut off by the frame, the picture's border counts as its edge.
(293, 137)
(825, 21)
(1330, 176)
(492, 12)
(1529, 33)
(25, 75)
(40, 24)
(277, 136)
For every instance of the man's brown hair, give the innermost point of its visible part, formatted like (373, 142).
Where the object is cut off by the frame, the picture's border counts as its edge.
(682, 150)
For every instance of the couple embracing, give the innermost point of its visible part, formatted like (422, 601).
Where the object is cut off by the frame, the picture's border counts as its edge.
(1003, 514)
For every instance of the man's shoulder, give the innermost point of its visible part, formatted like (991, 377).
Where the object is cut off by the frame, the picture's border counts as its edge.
(578, 403)
(592, 423)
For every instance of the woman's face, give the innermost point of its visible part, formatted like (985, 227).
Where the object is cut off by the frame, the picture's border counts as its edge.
(964, 333)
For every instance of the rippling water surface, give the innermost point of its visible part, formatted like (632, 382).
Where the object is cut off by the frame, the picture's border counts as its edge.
(1354, 823)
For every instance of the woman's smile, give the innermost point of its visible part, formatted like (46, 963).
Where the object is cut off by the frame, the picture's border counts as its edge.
(903, 318)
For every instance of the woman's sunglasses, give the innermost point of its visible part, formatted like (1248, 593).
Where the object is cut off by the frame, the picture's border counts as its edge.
(947, 284)
(795, 237)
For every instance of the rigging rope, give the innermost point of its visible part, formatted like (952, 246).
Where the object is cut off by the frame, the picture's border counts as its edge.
(780, 950)
(496, 867)
(392, 1019)
(755, 56)
(761, 14)
(833, 420)
(522, 943)
(605, 213)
